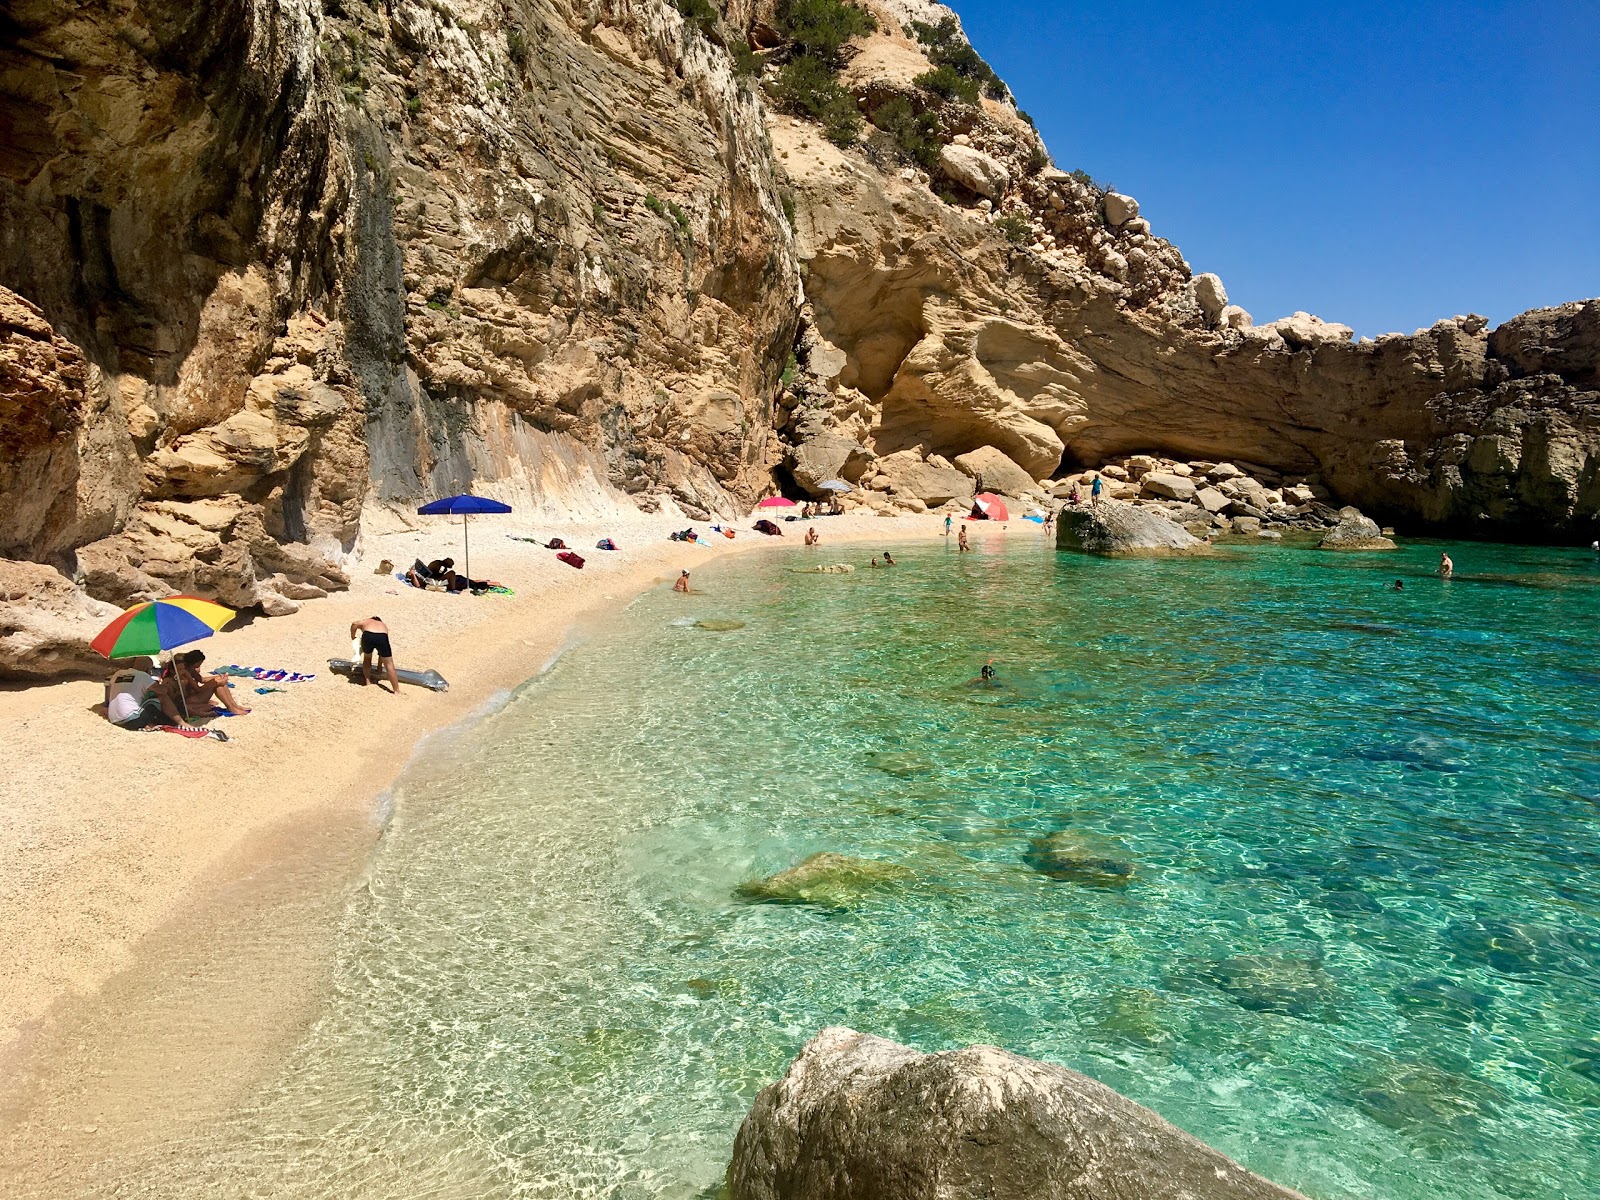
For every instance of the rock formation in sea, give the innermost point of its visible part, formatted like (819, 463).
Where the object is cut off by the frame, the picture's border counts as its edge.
(1117, 530)
(268, 270)
(858, 1117)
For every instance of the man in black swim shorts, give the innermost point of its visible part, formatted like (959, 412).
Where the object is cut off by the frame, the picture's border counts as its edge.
(374, 635)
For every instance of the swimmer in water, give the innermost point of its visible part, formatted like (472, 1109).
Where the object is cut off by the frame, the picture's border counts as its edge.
(1399, 586)
(682, 585)
(1446, 567)
(888, 559)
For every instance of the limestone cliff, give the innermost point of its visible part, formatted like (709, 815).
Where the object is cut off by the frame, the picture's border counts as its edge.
(265, 266)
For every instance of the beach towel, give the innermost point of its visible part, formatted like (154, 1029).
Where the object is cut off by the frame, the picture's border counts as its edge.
(571, 559)
(265, 674)
(214, 734)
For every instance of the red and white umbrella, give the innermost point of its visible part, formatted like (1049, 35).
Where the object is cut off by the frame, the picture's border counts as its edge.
(991, 506)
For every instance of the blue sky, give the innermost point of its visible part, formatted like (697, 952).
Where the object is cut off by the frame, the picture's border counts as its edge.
(1379, 165)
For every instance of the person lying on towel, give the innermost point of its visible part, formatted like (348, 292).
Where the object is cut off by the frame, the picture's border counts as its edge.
(440, 570)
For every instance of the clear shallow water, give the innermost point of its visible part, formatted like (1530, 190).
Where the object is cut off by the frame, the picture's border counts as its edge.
(1360, 951)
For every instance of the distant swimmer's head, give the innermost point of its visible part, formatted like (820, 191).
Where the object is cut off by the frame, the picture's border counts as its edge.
(1399, 586)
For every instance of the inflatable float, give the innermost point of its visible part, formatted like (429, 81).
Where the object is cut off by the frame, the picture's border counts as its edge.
(431, 680)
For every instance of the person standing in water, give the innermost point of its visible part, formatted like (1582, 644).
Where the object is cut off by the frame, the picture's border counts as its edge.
(1446, 567)
(374, 635)
(811, 536)
(961, 541)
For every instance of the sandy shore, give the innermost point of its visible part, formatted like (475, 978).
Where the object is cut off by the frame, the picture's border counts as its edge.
(123, 854)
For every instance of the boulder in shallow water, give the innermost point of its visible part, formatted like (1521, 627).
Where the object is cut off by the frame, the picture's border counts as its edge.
(1067, 858)
(1118, 530)
(826, 879)
(718, 625)
(1287, 984)
(1355, 532)
(858, 1117)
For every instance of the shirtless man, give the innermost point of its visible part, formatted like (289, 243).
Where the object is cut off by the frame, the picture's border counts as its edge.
(1446, 567)
(682, 584)
(811, 536)
(374, 635)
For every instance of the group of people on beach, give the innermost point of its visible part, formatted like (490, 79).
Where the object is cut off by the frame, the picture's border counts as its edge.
(140, 696)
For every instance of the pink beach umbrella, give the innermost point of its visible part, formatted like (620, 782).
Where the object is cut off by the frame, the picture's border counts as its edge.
(776, 502)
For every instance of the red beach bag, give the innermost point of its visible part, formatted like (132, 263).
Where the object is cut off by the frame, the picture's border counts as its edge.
(571, 559)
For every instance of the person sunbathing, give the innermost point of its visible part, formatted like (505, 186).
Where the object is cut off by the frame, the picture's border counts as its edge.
(185, 688)
(440, 570)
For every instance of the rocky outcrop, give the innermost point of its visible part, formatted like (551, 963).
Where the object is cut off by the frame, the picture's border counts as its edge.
(46, 624)
(1355, 532)
(1117, 530)
(293, 258)
(858, 1117)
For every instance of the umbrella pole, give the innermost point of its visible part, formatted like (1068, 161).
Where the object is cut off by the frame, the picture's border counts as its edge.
(466, 540)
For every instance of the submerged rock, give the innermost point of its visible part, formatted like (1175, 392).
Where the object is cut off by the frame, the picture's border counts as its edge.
(902, 766)
(1355, 532)
(1065, 857)
(1119, 530)
(1286, 984)
(826, 879)
(1443, 999)
(858, 1117)
(716, 625)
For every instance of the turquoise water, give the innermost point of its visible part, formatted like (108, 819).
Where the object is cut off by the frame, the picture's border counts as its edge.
(1359, 950)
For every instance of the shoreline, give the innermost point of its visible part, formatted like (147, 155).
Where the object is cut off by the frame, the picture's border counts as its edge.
(120, 877)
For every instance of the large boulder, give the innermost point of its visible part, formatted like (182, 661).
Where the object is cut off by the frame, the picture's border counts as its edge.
(858, 1117)
(908, 474)
(1211, 296)
(1120, 530)
(1302, 331)
(1355, 532)
(1169, 485)
(998, 472)
(826, 456)
(1120, 209)
(46, 624)
(975, 171)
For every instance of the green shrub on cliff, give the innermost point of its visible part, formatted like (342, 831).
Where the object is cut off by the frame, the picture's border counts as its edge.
(946, 47)
(918, 135)
(948, 84)
(1014, 227)
(818, 28)
(702, 14)
(808, 83)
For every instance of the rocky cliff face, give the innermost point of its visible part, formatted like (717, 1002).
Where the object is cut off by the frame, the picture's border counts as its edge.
(265, 263)
(266, 266)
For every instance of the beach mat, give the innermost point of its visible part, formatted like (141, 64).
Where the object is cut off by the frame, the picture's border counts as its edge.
(431, 680)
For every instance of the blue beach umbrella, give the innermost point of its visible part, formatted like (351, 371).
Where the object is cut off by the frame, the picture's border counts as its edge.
(465, 506)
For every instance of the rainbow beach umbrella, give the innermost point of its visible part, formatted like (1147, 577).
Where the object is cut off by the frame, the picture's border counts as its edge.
(158, 625)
